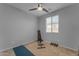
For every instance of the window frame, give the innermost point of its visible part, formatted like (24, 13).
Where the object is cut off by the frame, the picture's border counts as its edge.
(52, 23)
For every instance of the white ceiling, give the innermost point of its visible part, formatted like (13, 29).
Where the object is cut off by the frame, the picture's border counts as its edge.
(50, 6)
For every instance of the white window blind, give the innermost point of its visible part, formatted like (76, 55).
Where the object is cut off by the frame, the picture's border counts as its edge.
(52, 24)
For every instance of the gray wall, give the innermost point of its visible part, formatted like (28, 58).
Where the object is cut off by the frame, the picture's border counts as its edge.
(16, 27)
(68, 35)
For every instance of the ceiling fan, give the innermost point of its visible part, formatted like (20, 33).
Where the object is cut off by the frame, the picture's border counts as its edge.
(39, 8)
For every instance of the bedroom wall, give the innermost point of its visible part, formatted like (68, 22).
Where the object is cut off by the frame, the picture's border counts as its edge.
(68, 35)
(16, 27)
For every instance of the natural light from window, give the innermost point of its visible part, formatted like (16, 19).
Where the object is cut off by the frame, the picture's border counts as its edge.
(52, 24)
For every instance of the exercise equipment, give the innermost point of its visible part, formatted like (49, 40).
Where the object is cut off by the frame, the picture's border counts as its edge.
(39, 40)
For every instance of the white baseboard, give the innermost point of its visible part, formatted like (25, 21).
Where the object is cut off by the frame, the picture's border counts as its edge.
(34, 41)
(69, 48)
(61, 45)
(17, 46)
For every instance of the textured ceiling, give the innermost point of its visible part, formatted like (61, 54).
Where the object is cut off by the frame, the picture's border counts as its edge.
(50, 6)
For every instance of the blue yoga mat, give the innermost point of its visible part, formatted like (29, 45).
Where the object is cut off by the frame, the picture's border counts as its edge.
(22, 51)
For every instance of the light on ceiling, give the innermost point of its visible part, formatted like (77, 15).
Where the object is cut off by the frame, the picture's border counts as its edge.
(40, 9)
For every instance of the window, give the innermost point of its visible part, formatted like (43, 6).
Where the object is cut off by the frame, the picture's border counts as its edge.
(48, 24)
(52, 24)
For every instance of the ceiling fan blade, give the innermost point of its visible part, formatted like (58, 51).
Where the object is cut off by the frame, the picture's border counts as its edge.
(32, 9)
(45, 10)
